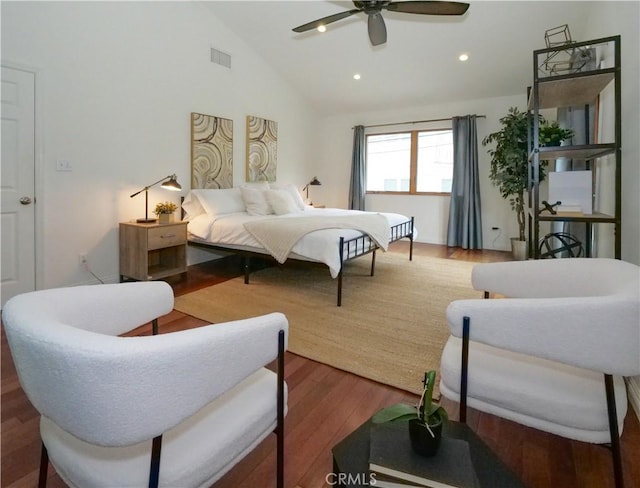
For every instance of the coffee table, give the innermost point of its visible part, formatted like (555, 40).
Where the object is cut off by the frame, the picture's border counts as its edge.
(351, 459)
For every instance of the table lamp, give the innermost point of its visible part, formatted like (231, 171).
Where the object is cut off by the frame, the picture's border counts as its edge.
(169, 182)
(314, 182)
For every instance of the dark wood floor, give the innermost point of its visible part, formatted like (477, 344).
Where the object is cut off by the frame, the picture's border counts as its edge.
(325, 405)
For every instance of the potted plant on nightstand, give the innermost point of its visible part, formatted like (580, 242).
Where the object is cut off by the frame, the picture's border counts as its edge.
(425, 420)
(509, 163)
(164, 211)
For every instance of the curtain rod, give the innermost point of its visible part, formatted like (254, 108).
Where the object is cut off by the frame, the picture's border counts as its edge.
(416, 122)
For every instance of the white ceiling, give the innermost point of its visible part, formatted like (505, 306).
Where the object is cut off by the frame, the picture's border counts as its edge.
(417, 66)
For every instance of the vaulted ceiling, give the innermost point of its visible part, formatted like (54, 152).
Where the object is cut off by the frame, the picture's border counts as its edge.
(419, 63)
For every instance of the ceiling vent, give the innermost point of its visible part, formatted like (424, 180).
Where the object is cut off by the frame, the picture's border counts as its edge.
(218, 57)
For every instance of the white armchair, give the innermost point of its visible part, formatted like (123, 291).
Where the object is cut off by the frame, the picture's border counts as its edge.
(175, 409)
(538, 356)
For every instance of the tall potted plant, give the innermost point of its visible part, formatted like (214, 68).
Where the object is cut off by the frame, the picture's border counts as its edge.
(509, 162)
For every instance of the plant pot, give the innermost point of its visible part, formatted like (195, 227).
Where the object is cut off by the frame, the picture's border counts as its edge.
(422, 441)
(165, 218)
(519, 249)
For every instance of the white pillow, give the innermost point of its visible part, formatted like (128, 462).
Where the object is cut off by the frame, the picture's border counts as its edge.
(293, 191)
(256, 185)
(217, 202)
(282, 202)
(191, 206)
(255, 201)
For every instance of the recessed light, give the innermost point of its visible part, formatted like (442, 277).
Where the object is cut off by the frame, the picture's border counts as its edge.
(463, 57)
(322, 28)
(356, 76)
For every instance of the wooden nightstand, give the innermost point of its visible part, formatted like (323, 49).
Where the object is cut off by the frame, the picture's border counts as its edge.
(152, 251)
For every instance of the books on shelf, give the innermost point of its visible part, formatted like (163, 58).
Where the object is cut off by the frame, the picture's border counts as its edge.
(572, 189)
(395, 465)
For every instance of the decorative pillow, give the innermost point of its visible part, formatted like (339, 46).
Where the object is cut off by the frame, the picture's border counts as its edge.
(293, 191)
(282, 202)
(192, 207)
(217, 202)
(257, 185)
(255, 201)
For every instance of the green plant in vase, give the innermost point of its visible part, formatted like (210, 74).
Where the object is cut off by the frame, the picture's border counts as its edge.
(425, 420)
(164, 211)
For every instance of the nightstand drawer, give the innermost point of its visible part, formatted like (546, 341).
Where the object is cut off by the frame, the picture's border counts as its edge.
(166, 236)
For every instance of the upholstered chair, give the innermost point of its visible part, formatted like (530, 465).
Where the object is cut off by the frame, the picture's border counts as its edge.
(175, 409)
(551, 352)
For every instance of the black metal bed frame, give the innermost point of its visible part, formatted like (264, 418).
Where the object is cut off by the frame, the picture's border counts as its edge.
(348, 250)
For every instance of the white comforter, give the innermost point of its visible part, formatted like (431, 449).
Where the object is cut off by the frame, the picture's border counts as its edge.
(320, 246)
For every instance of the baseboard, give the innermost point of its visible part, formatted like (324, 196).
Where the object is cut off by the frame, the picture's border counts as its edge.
(633, 392)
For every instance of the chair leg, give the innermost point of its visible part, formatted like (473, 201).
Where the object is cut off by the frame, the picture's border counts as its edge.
(44, 467)
(464, 370)
(154, 468)
(280, 413)
(613, 430)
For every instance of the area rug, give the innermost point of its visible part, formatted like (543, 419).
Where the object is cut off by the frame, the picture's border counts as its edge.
(391, 327)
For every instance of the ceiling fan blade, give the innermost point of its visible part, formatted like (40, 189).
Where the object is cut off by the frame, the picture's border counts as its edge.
(428, 7)
(377, 29)
(325, 20)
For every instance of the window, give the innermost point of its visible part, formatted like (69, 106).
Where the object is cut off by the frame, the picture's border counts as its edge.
(410, 162)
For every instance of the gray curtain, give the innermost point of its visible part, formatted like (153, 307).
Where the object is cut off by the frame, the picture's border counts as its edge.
(465, 219)
(357, 185)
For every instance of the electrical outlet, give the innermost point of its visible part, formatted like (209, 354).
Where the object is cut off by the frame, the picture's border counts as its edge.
(82, 258)
(63, 165)
(495, 228)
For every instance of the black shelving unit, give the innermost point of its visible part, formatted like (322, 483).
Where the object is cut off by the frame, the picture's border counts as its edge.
(568, 89)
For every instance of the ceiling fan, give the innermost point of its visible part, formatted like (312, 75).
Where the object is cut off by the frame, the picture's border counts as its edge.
(374, 8)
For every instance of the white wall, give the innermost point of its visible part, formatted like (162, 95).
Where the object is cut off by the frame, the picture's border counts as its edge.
(623, 18)
(117, 82)
(431, 212)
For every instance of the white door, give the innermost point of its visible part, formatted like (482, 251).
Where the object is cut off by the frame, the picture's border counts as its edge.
(17, 222)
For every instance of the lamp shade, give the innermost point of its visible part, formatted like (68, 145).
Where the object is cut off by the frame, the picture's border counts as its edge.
(314, 182)
(172, 184)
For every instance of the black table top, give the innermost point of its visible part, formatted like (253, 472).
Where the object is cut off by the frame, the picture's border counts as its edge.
(351, 457)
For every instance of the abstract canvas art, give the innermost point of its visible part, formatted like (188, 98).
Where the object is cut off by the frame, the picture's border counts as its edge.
(211, 152)
(262, 153)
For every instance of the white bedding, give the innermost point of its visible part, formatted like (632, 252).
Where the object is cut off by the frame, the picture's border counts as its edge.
(320, 246)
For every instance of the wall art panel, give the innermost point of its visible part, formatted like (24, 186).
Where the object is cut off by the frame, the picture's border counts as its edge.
(211, 151)
(262, 151)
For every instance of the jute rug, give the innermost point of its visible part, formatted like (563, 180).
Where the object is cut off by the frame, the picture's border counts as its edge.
(391, 327)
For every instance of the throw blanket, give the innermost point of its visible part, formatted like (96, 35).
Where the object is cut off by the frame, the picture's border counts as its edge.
(278, 236)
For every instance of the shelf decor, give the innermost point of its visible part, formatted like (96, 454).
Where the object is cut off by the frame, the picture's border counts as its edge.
(262, 153)
(211, 152)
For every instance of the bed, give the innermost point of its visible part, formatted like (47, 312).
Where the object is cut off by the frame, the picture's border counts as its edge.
(272, 221)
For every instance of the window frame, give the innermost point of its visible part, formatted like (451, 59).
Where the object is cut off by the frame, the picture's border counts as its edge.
(413, 163)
